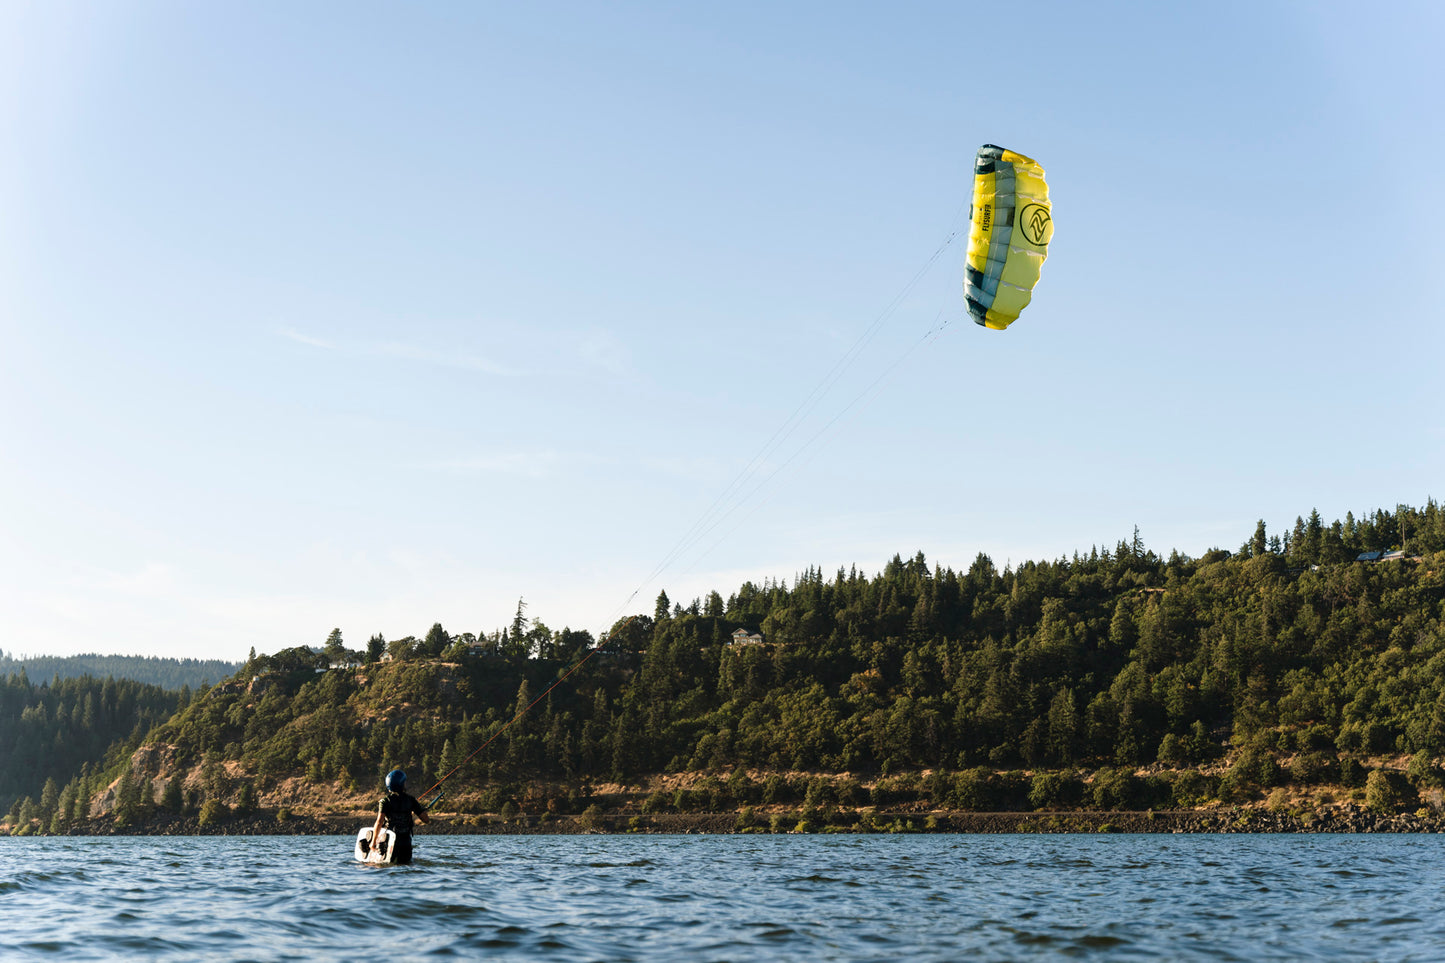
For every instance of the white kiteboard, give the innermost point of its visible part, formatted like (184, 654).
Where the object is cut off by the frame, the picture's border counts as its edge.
(367, 853)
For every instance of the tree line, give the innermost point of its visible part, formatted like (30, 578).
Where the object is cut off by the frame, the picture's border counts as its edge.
(159, 671)
(1286, 657)
(58, 738)
(1281, 651)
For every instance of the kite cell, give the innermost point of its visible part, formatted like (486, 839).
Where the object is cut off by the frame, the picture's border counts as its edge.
(1008, 237)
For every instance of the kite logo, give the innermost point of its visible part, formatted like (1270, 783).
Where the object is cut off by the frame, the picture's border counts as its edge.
(987, 217)
(1037, 224)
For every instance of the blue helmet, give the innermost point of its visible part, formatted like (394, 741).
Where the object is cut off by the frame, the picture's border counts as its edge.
(395, 781)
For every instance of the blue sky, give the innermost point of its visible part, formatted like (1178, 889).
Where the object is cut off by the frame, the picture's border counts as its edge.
(375, 315)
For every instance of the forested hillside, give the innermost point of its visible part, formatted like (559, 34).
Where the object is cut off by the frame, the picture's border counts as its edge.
(153, 670)
(53, 737)
(1286, 654)
(1117, 677)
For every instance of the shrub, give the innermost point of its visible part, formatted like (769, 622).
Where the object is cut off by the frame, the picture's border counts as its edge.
(1154, 791)
(1315, 737)
(1192, 788)
(1255, 767)
(213, 811)
(710, 793)
(1423, 772)
(1352, 774)
(1115, 788)
(971, 790)
(742, 788)
(1387, 791)
(897, 789)
(820, 792)
(1380, 794)
(1050, 790)
(1173, 751)
(1311, 767)
(1378, 737)
(1010, 791)
(1232, 789)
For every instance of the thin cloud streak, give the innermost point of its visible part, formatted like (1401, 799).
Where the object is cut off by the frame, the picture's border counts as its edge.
(302, 338)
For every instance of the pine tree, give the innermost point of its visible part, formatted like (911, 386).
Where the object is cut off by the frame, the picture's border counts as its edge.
(1063, 727)
(519, 622)
(436, 641)
(1259, 544)
(49, 798)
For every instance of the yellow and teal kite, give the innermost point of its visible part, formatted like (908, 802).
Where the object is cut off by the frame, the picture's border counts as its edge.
(1008, 237)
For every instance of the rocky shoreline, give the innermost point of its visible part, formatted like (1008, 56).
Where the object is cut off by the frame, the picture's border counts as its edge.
(1345, 819)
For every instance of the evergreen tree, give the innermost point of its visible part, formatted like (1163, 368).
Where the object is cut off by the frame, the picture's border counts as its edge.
(435, 643)
(334, 649)
(519, 621)
(1063, 727)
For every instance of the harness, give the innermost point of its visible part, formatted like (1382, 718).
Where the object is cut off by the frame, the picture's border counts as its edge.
(396, 810)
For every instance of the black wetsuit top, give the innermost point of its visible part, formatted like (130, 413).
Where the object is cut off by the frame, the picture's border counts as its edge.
(396, 809)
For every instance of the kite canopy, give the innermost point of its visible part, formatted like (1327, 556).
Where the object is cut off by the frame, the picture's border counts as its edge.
(1008, 237)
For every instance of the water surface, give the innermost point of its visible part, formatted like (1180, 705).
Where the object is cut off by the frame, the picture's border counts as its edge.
(734, 898)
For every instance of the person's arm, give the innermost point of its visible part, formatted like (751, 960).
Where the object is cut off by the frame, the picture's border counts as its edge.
(420, 811)
(376, 830)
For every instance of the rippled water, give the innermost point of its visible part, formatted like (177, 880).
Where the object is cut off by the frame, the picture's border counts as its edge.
(668, 898)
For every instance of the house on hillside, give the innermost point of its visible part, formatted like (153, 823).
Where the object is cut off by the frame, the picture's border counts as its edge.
(1398, 555)
(744, 637)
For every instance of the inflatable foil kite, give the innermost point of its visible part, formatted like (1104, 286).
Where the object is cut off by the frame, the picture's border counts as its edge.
(1008, 236)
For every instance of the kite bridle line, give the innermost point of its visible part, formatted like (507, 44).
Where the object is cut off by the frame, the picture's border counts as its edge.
(873, 389)
(493, 737)
(736, 494)
(746, 484)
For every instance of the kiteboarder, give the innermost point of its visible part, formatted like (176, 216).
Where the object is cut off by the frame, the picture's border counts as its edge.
(394, 812)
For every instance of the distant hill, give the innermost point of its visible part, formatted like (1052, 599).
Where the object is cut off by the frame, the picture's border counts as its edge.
(152, 670)
(1291, 670)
